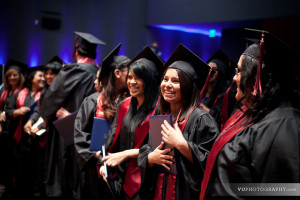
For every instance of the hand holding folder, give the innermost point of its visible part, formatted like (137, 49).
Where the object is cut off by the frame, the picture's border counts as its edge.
(155, 123)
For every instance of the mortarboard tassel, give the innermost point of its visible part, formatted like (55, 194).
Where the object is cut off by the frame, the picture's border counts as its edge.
(257, 85)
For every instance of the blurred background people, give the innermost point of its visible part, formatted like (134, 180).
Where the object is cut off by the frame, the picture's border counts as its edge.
(112, 89)
(13, 83)
(64, 96)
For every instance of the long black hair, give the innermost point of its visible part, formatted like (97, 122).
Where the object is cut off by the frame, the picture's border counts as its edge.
(277, 87)
(108, 88)
(189, 93)
(151, 91)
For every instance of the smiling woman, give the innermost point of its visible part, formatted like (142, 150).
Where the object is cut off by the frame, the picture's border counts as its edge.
(13, 83)
(28, 149)
(170, 87)
(136, 87)
(193, 133)
(130, 127)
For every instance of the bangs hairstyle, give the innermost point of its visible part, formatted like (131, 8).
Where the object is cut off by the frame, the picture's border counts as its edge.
(151, 91)
(21, 80)
(189, 93)
(109, 91)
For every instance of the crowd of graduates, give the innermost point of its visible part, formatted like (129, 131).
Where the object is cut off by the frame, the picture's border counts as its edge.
(230, 124)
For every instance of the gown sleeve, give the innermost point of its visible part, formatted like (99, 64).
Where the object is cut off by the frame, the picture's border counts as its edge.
(200, 132)
(82, 130)
(266, 152)
(67, 90)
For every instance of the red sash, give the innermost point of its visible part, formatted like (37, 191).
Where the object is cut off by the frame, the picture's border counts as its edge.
(132, 182)
(3, 97)
(99, 111)
(88, 60)
(232, 127)
(224, 112)
(20, 103)
(171, 183)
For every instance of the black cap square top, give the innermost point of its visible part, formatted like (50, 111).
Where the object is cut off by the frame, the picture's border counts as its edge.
(151, 59)
(107, 62)
(185, 60)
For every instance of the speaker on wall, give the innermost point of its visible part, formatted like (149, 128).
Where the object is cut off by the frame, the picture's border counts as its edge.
(49, 20)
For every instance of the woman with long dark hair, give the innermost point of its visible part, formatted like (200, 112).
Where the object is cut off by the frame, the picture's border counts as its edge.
(51, 70)
(27, 146)
(260, 142)
(130, 127)
(112, 90)
(193, 133)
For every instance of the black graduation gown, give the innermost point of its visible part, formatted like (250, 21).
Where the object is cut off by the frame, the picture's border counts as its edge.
(91, 186)
(29, 154)
(216, 107)
(200, 132)
(68, 89)
(7, 143)
(266, 152)
(37, 110)
(124, 142)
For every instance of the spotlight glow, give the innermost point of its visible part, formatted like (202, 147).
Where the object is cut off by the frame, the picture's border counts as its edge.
(196, 30)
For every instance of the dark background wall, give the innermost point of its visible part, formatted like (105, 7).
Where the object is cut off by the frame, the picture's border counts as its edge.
(24, 35)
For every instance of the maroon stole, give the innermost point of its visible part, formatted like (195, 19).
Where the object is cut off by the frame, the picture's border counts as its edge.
(88, 60)
(224, 112)
(232, 127)
(99, 111)
(20, 103)
(171, 183)
(3, 97)
(132, 182)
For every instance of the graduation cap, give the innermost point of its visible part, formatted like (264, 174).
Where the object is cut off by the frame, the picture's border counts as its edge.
(188, 62)
(56, 59)
(33, 69)
(150, 59)
(107, 62)
(13, 64)
(226, 66)
(276, 55)
(87, 44)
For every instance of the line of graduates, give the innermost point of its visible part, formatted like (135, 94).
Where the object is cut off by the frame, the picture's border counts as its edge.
(224, 131)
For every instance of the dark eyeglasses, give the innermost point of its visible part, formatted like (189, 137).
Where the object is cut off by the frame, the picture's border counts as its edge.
(237, 70)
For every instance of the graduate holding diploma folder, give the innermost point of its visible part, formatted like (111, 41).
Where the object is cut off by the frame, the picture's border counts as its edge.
(131, 126)
(101, 106)
(192, 134)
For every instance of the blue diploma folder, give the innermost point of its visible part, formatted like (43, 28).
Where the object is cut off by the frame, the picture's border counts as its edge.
(155, 123)
(99, 132)
(32, 106)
